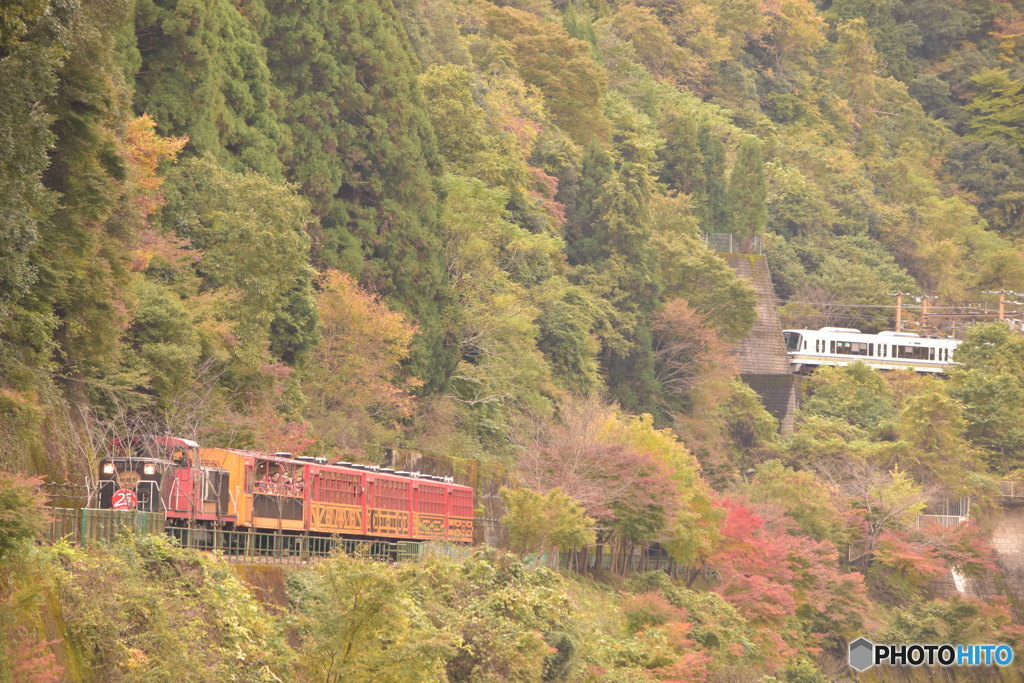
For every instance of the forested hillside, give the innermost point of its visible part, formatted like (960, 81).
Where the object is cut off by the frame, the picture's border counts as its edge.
(475, 229)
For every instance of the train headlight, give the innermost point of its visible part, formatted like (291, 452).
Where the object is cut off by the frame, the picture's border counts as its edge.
(108, 468)
(149, 468)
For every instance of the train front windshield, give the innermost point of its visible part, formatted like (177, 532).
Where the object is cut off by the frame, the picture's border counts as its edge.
(793, 340)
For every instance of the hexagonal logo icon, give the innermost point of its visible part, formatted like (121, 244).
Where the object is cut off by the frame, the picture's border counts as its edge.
(862, 654)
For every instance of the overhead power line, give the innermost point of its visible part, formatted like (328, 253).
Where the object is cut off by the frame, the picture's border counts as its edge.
(893, 306)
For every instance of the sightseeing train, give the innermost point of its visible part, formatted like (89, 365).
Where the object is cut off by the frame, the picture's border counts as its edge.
(808, 349)
(240, 490)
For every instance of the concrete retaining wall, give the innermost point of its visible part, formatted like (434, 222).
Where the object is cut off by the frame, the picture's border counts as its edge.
(764, 365)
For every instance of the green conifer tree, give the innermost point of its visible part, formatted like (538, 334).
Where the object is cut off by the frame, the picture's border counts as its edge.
(82, 256)
(583, 245)
(682, 162)
(202, 72)
(31, 52)
(710, 205)
(609, 240)
(998, 110)
(746, 197)
(364, 154)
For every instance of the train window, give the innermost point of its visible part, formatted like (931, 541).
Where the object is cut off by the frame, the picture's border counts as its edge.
(391, 495)
(401, 499)
(430, 499)
(340, 488)
(326, 487)
(871, 349)
(850, 348)
(832, 347)
(350, 489)
(278, 479)
(792, 341)
(462, 503)
(911, 352)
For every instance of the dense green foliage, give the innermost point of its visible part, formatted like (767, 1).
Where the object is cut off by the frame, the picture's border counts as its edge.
(201, 70)
(595, 140)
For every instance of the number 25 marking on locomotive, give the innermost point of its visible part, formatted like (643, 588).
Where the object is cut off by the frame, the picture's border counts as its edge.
(123, 499)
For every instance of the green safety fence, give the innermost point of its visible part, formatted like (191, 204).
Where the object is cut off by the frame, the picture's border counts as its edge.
(85, 525)
(418, 550)
(279, 548)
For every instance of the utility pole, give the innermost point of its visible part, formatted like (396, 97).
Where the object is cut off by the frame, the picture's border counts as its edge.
(899, 312)
(1002, 301)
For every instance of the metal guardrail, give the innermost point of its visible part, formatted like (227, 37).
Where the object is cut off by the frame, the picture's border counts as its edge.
(1011, 489)
(734, 244)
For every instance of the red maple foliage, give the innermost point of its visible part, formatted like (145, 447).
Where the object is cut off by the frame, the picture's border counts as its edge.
(770, 574)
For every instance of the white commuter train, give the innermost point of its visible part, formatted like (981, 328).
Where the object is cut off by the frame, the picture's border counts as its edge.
(808, 349)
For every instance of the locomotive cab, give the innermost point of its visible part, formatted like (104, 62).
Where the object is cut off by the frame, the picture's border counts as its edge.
(145, 467)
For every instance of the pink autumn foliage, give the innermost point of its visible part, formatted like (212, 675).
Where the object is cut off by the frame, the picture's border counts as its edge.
(544, 194)
(770, 573)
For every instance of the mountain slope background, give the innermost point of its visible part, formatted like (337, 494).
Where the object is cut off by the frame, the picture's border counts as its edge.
(475, 229)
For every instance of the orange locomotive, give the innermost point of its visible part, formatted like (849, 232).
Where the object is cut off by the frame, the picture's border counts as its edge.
(235, 489)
